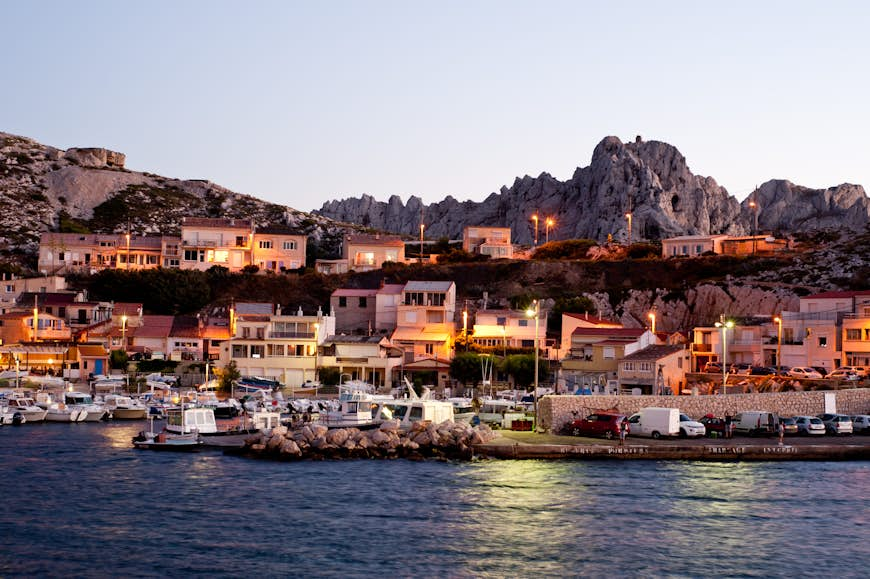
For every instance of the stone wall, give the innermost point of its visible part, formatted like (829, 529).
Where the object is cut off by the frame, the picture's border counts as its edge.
(557, 410)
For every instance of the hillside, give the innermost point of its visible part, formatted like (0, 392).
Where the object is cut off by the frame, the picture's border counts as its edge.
(649, 178)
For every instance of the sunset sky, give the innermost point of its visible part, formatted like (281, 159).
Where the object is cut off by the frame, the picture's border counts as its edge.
(303, 102)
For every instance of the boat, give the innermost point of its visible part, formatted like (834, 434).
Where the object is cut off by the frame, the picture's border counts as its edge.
(60, 412)
(26, 405)
(95, 412)
(229, 408)
(463, 409)
(201, 421)
(406, 411)
(124, 408)
(167, 441)
(9, 417)
(357, 409)
(501, 412)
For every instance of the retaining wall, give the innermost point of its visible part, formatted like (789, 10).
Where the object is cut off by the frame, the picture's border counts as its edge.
(555, 411)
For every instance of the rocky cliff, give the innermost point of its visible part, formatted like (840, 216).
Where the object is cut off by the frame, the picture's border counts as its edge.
(649, 178)
(46, 189)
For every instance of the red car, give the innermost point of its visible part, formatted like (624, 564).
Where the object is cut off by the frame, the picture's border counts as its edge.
(714, 424)
(597, 424)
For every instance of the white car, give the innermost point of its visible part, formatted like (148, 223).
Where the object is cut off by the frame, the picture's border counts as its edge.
(691, 428)
(861, 424)
(861, 371)
(810, 425)
(843, 374)
(804, 372)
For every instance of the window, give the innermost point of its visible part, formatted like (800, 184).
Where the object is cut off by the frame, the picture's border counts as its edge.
(523, 323)
(261, 333)
(240, 241)
(289, 245)
(189, 255)
(10, 289)
(413, 298)
(501, 321)
(527, 343)
(391, 255)
(430, 349)
(258, 351)
(609, 353)
(436, 299)
(275, 350)
(853, 334)
(365, 258)
(266, 244)
(240, 351)
(363, 302)
(219, 256)
(246, 332)
(342, 301)
(823, 341)
(628, 366)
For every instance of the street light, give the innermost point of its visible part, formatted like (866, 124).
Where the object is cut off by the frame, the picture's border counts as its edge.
(465, 328)
(535, 219)
(724, 326)
(547, 225)
(778, 321)
(504, 342)
(422, 227)
(754, 207)
(652, 317)
(628, 216)
(124, 331)
(535, 312)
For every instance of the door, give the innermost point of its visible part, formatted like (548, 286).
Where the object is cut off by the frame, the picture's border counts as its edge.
(98, 366)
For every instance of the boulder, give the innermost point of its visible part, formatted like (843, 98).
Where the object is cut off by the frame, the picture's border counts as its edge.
(389, 426)
(337, 436)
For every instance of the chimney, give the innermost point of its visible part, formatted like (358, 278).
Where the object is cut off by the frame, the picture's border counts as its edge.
(278, 310)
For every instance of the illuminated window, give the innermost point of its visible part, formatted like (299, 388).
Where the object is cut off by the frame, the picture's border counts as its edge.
(221, 256)
(365, 258)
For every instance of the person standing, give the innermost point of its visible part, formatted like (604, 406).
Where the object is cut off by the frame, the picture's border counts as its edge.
(728, 424)
(623, 430)
(780, 429)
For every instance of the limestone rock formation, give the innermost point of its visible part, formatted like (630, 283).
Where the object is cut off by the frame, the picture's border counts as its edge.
(649, 178)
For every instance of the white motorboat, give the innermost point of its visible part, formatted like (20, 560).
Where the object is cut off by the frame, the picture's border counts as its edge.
(26, 406)
(60, 412)
(463, 409)
(95, 412)
(357, 409)
(8, 417)
(125, 408)
(406, 410)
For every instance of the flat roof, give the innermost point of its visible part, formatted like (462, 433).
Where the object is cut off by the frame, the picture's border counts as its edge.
(428, 286)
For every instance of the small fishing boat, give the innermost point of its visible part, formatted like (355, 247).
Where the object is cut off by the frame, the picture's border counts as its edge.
(167, 441)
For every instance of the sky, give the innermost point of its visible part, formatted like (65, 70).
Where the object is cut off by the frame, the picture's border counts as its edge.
(300, 103)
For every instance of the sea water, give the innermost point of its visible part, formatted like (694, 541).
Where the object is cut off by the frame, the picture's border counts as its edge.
(78, 500)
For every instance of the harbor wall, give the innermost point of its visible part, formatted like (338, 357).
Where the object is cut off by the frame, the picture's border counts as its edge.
(556, 411)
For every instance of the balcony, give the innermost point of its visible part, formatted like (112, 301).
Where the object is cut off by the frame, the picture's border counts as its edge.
(199, 243)
(704, 348)
(292, 335)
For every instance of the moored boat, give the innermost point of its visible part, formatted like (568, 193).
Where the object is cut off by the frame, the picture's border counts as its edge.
(26, 405)
(94, 412)
(167, 441)
(125, 408)
(60, 412)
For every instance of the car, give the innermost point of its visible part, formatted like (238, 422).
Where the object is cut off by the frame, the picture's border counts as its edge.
(761, 371)
(713, 367)
(821, 370)
(789, 425)
(596, 424)
(809, 425)
(741, 368)
(714, 425)
(836, 423)
(861, 424)
(805, 372)
(861, 371)
(691, 428)
(843, 374)
(780, 370)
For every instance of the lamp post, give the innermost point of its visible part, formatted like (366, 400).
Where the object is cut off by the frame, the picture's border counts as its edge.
(535, 219)
(535, 312)
(422, 227)
(465, 328)
(778, 321)
(628, 216)
(652, 317)
(723, 325)
(754, 207)
(124, 332)
(503, 342)
(547, 225)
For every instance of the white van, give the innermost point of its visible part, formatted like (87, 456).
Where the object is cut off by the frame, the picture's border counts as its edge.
(655, 422)
(755, 422)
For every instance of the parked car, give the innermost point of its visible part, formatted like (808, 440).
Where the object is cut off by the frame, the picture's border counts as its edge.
(762, 371)
(836, 423)
(861, 424)
(789, 425)
(691, 428)
(821, 370)
(741, 368)
(713, 424)
(805, 372)
(713, 367)
(596, 424)
(861, 371)
(781, 370)
(843, 374)
(755, 422)
(809, 425)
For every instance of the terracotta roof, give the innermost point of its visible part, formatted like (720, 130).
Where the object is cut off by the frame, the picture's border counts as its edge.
(844, 294)
(610, 332)
(153, 327)
(185, 327)
(216, 222)
(386, 240)
(653, 353)
(592, 319)
(93, 350)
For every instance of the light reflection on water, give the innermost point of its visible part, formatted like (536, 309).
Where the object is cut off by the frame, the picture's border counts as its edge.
(81, 491)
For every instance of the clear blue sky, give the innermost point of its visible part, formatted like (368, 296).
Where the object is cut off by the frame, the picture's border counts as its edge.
(302, 102)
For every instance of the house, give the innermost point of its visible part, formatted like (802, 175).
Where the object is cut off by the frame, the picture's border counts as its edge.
(372, 359)
(355, 309)
(572, 321)
(692, 245)
(266, 342)
(206, 242)
(424, 320)
(658, 369)
(502, 329)
(361, 252)
(744, 343)
(595, 353)
(750, 244)
(63, 253)
(387, 301)
(17, 327)
(11, 287)
(492, 241)
(278, 249)
(70, 306)
(151, 337)
(185, 340)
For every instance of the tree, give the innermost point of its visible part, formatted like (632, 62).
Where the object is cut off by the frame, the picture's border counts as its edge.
(465, 367)
(226, 376)
(568, 305)
(522, 368)
(329, 376)
(118, 359)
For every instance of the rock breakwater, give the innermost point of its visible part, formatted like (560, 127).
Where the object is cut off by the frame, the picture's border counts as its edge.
(447, 440)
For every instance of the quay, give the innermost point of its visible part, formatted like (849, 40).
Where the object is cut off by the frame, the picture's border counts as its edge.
(529, 445)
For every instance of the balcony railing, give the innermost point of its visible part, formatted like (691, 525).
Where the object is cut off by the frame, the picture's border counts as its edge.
(702, 347)
(301, 335)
